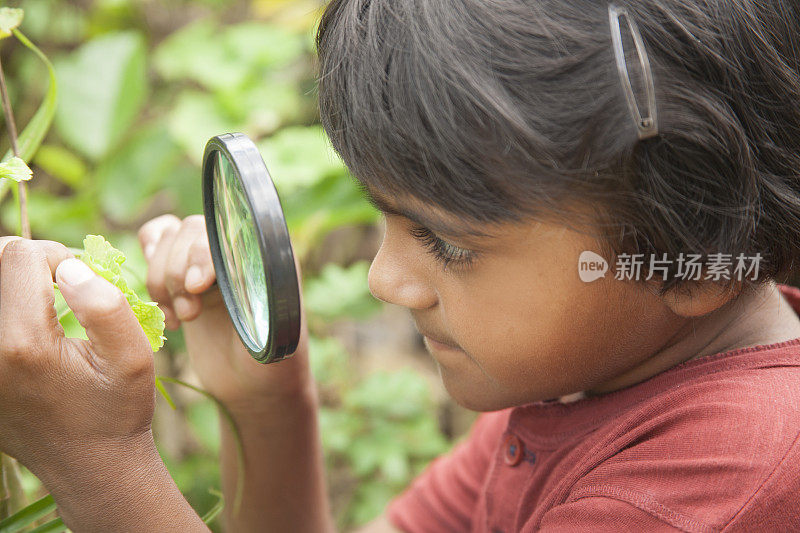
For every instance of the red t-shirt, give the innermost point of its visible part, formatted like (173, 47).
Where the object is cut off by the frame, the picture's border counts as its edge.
(712, 444)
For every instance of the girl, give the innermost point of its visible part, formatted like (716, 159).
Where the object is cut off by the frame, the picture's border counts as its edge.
(587, 209)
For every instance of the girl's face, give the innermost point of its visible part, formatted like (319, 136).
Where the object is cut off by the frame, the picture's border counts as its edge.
(523, 325)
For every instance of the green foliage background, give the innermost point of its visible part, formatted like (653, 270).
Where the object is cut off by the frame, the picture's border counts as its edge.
(142, 86)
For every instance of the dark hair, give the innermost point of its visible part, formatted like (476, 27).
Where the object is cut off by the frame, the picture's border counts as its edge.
(499, 110)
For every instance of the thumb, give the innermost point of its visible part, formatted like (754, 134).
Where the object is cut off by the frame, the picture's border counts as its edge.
(102, 309)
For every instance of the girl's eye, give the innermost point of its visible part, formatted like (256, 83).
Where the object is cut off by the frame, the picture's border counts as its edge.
(442, 251)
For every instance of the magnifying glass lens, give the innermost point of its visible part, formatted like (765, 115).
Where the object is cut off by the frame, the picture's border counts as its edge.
(241, 254)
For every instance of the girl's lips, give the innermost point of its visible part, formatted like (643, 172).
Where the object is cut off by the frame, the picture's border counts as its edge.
(440, 345)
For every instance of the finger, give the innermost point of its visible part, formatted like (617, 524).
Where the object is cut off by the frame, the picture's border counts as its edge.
(200, 275)
(27, 311)
(187, 306)
(55, 251)
(102, 309)
(171, 321)
(156, 273)
(6, 240)
(192, 229)
(150, 233)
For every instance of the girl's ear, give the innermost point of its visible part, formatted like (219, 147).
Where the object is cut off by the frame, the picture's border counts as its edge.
(699, 299)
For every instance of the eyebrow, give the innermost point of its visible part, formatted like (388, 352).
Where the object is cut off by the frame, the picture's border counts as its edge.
(435, 224)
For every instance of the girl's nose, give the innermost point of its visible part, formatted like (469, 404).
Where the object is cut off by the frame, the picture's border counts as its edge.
(399, 275)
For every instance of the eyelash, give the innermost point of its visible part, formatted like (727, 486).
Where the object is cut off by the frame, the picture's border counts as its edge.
(444, 252)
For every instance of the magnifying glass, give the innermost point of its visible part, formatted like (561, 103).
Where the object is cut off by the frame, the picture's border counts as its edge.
(250, 247)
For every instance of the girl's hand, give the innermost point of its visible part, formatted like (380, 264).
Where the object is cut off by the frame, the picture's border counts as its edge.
(66, 402)
(181, 279)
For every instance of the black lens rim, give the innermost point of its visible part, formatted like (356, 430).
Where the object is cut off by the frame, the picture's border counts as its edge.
(283, 291)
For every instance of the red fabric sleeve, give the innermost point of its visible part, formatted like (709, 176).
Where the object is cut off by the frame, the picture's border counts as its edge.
(443, 497)
(599, 514)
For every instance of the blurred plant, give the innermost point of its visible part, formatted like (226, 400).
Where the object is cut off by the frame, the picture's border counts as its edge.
(384, 432)
(101, 257)
(24, 146)
(14, 168)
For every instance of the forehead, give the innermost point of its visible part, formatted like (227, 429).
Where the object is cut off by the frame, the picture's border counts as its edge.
(431, 217)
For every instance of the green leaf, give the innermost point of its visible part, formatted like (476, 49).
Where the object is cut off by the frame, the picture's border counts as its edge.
(340, 292)
(106, 261)
(369, 500)
(195, 118)
(66, 219)
(268, 46)
(265, 105)
(332, 202)
(99, 253)
(62, 23)
(31, 137)
(10, 18)
(103, 87)
(365, 457)
(55, 525)
(339, 428)
(329, 360)
(195, 52)
(33, 134)
(423, 438)
(395, 467)
(378, 394)
(62, 164)
(150, 317)
(15, 169)
(129, 179)
(300, 157)
(28, 515)
(219, 58)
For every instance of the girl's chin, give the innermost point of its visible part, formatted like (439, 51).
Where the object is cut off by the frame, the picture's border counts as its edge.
(469, 394)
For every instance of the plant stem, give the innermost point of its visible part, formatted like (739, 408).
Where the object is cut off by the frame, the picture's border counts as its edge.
(12, 134)
(12, 497)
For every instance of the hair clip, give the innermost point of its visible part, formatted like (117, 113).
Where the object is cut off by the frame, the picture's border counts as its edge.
(646, 126)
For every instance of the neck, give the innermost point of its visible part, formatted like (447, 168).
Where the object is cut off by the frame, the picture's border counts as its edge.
(757, 317)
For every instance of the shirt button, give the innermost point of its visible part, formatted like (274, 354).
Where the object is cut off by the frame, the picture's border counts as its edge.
(514, 450)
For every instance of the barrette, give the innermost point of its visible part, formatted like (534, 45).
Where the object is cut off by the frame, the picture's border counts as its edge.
(646, 126)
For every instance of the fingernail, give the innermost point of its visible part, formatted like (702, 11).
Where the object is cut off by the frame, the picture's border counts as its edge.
(74, 271)
(194, 276)
(149, 249)
(182, 307)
